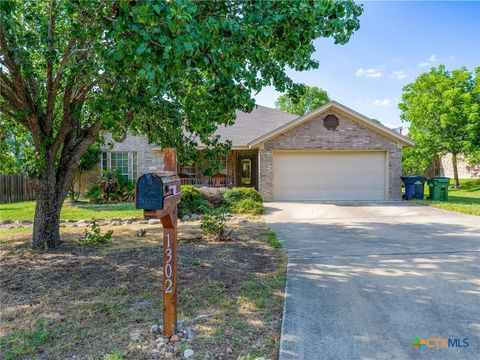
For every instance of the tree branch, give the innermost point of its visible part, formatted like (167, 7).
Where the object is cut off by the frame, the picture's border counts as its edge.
(56, 83)
(12, 66)
(51, 43)
(83, 92)
(73, 149)
(32, 123)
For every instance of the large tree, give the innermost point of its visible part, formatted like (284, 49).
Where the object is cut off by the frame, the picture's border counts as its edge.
(302, 99)
(443, 110)
(173, 70)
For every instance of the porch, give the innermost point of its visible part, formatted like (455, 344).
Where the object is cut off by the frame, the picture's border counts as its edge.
(238, 168)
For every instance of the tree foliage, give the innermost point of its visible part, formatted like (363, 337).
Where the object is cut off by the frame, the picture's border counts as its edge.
(443, 110)
(171, 70)
(302, 99)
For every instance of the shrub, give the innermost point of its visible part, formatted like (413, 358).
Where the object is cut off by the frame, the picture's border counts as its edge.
(192, 202)
(95, 236)
(214, 224)
(232, 196)
(247, 206)
(93, 193)
(111, 188)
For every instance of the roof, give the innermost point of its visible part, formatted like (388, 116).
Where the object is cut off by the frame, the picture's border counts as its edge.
(250, 126)
(351, 114)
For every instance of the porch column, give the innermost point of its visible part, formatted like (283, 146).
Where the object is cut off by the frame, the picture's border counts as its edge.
(265, 170)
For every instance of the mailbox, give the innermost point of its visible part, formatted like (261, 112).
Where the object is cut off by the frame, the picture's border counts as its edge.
(157, 191)
(158, 194)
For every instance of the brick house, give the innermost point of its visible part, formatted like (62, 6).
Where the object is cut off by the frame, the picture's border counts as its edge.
(331, 153)
(443, 166)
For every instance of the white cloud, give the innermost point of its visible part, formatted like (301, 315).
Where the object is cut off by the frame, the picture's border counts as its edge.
(382, 102)
(399, 74)
(371, 73)
(430, 61)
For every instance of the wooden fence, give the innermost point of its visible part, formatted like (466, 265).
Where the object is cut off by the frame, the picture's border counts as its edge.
(15, 188)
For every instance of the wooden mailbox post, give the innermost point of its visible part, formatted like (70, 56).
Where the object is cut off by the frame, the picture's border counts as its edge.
(158, 194)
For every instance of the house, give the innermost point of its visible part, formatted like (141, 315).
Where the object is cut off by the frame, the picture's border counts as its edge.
(443, 166)
(331, 153)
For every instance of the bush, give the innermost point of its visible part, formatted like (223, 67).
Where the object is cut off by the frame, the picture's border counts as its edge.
(192, 202)
(93, 193)
(111, 188)
(95, 236)
(214, 224)
(233, 196)
(247, 206)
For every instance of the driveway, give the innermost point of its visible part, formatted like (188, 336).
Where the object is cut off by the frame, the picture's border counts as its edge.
(364, 280)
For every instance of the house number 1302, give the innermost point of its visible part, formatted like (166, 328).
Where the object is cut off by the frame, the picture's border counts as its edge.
(168, 267)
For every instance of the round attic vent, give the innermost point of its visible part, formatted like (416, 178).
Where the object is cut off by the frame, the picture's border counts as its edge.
(330, 122)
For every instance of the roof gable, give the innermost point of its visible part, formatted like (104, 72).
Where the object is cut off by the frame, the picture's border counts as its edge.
(333, 105)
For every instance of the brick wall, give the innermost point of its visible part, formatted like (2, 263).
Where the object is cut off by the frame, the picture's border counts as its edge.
(465, 171)
(146, 156)
(312, 135)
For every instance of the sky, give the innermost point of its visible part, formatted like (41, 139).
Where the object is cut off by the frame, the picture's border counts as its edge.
(396, 42)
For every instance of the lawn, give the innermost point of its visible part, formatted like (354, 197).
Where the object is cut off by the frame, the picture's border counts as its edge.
(465, 199)
(100, 301)
(26, 210)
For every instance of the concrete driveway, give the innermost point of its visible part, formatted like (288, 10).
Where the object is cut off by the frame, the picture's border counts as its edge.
(365, 280)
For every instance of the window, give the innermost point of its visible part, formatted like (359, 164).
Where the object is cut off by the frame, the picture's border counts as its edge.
(246, 172)
(123, 162)
(119, 163)
(187, 171)
(223, 165)
(104, 162)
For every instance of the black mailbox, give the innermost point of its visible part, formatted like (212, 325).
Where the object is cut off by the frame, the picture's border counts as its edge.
(153, 189)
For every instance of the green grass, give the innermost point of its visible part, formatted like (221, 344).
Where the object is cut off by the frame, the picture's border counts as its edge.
(115, 355)
(465, 200)
(20, 343)
(272, 239)
(26, 210)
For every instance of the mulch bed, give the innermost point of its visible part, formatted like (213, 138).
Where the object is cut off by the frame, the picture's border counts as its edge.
(100, 301)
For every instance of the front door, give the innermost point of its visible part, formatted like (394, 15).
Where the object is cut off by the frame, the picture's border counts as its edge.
(247, 169)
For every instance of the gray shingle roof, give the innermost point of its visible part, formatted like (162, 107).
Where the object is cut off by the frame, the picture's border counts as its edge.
(250, 126)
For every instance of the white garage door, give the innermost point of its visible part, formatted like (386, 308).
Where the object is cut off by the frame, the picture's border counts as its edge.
(329, 176)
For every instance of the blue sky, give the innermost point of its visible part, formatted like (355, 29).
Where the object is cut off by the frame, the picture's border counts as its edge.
(396, 42)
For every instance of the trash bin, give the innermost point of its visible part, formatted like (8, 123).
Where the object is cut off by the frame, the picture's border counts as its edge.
(414, 186)
(438, 188)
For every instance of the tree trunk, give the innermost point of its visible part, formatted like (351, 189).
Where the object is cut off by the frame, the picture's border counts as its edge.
(46, 226)
(455, 170)
(79, 185)
(54, 183)
(51, 193)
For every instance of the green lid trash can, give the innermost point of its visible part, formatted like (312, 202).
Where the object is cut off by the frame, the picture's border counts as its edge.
(438, 188)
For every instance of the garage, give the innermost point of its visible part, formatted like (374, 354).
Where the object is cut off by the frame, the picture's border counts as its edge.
(329, 175)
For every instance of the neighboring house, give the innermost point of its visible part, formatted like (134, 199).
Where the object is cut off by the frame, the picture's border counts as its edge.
(331, 153)
(444, 167)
